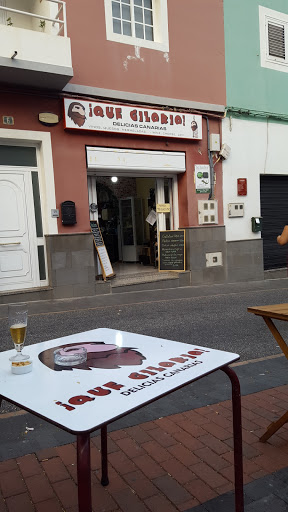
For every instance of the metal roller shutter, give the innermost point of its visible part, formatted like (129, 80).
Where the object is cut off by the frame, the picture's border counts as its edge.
(274, 210)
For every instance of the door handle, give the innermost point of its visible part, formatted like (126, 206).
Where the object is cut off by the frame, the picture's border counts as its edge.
(11, 243)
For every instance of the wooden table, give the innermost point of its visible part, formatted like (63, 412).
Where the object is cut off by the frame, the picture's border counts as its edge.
(275, 312)
(123, 372)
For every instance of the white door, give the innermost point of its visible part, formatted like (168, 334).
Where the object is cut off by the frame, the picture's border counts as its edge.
(18, 247)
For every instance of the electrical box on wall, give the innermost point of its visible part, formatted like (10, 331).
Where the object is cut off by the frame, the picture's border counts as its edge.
(215, 142)
(225, 151)
(256, 224)
(207, 212)
(214, 259)
(236, 210)
(242, 186)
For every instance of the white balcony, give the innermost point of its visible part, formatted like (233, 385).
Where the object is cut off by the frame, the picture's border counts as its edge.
(34, 48)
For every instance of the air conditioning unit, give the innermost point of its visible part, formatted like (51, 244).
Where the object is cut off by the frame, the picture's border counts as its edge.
(207, 212)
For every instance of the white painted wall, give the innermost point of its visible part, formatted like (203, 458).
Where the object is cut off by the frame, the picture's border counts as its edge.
(35, 46)
(257, 147)
(43, 8)
(19, 20)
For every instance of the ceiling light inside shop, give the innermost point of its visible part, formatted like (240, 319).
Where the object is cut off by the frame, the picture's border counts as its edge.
(114, 179)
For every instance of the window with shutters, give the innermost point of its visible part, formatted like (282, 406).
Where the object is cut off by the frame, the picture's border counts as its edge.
(142, 23)
(273, 39)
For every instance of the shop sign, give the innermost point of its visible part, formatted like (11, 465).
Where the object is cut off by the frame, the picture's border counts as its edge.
(202, 179)
(108, 117)
(163, 208)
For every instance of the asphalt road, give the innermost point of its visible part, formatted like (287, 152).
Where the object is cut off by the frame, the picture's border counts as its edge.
(218, 321)
(216, 317)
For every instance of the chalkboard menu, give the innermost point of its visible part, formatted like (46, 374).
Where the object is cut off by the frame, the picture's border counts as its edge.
(104, 259)
(98, 240)
(172, 251)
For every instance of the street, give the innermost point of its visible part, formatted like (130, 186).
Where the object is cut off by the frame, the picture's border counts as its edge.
(218, 320)
(213, 316)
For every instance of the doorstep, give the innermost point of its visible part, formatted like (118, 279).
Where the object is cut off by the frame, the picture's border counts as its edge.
(149, 281)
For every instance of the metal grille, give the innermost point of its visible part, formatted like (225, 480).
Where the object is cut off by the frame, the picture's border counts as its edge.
(274, 210)
(276, 40)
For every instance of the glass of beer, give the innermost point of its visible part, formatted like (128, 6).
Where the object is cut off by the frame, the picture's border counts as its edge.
(17, 318)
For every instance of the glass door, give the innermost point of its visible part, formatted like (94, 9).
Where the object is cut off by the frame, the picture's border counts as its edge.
(165, 221)
(132, 229)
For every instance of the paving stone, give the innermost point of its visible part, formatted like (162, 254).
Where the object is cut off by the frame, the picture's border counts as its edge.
(172, 489)
(130, 447)
(267, 504)
(156, 451)
(129, 502)
(225, 503)
(138, 434)
(29, 465)
(201, 491)
(149, 467)
(160, 504)
(21, 502)
(66, 492)
(12, 483)
(101, 499)
(55, 469)
(49, 506)
(39, 488)
(140, 484)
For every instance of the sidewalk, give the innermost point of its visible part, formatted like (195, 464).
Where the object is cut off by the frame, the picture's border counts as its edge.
(170, 464)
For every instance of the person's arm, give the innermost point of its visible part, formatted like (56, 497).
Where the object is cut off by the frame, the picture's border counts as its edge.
(283, 238)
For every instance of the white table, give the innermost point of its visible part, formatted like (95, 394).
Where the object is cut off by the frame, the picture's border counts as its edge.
(127, 372)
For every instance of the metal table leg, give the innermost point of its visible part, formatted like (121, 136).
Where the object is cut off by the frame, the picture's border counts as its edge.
(84, 473)
(237, 434)
(104, 456)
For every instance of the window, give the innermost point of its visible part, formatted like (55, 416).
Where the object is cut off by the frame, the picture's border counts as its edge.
(273, 39)
(142, 23)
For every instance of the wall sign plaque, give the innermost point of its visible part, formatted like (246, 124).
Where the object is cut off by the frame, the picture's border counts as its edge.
(104, 259)
(108, 117)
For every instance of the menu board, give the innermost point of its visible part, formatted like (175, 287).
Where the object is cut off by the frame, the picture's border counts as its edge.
(104, 259)
(98, 240)
(172, 250)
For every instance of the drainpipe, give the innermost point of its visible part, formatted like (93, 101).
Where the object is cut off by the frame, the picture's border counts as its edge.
(211, 194)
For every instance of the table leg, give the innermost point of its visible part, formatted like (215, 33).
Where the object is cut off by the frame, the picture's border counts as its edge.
(273, 427)
(84, 473)
(237, 434)
(104, 456)
(276, 335)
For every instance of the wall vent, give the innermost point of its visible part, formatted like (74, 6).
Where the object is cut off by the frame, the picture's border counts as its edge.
(276, 40)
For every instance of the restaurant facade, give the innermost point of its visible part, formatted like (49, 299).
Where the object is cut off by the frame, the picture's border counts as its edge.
(131, 142)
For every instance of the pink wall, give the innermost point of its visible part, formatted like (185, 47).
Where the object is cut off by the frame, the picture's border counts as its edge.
(69, 158)
(195, 69)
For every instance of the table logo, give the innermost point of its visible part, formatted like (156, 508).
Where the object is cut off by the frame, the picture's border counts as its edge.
(99, 355)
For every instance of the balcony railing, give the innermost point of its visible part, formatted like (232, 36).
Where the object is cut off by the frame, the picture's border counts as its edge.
(58, 21)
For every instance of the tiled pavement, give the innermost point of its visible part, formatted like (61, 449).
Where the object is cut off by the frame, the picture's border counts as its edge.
(181, 462)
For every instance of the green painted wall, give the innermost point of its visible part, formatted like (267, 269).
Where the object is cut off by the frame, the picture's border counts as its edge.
(249, 86)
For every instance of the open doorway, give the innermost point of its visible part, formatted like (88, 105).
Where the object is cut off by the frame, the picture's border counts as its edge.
(122, 206)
